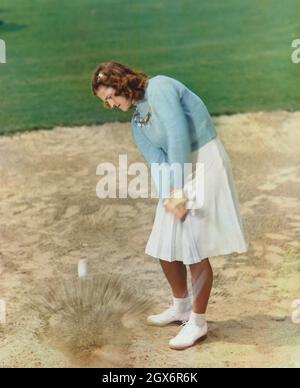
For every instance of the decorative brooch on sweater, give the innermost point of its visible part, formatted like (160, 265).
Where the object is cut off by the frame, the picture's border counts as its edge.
(140, 121)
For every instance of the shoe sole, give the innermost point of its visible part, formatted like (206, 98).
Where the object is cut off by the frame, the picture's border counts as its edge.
(164, 324)
(178, 321)
(201, 339)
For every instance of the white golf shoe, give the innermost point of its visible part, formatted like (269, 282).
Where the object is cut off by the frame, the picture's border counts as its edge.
(171, 314)
(188, 335)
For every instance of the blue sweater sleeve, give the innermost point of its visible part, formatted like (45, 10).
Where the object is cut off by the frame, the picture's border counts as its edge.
(157, 160)
(169, 114)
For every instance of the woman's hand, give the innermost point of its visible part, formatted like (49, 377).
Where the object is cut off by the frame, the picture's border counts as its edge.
(180, 212)
(176, 206)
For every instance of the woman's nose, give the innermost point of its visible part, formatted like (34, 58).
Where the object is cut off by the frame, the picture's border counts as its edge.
(113, 103)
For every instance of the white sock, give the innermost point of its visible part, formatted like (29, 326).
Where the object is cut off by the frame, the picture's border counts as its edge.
(197, 319)
(182, 304)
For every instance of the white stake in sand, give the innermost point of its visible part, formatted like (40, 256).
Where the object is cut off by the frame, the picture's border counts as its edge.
(2, 312)
(82, 268)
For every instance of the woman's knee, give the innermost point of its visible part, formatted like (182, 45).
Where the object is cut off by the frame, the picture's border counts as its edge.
(198, 268)
(201, 265)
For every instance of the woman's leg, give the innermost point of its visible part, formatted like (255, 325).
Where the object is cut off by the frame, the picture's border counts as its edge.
(176, 275)
(202, 280)
(180, 310)
(196, 327)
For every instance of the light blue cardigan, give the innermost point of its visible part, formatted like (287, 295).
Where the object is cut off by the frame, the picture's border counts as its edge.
(178, 123)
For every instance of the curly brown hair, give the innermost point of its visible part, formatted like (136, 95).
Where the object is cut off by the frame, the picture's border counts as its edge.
(126, 81)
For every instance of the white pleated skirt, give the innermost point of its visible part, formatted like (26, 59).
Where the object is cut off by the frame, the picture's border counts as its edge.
(213, 229)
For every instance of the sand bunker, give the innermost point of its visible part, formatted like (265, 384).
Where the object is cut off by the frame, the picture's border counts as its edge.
(51, 218)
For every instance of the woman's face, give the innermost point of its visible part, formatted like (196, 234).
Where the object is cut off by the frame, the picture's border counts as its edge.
(107, 94)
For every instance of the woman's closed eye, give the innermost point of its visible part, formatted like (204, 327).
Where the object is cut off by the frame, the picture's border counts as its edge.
(106, 103)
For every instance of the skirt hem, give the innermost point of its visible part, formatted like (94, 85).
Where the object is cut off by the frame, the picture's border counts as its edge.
(198, 260)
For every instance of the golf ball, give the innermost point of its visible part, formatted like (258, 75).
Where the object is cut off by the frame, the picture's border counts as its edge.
(82, 268)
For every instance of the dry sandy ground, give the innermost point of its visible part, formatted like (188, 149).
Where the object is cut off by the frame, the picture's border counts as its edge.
(51, 217)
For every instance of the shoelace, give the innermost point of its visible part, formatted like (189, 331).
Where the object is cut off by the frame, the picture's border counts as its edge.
(186, 328)
(184, 323)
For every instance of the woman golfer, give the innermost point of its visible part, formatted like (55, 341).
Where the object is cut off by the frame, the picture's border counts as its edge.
(172, 127)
